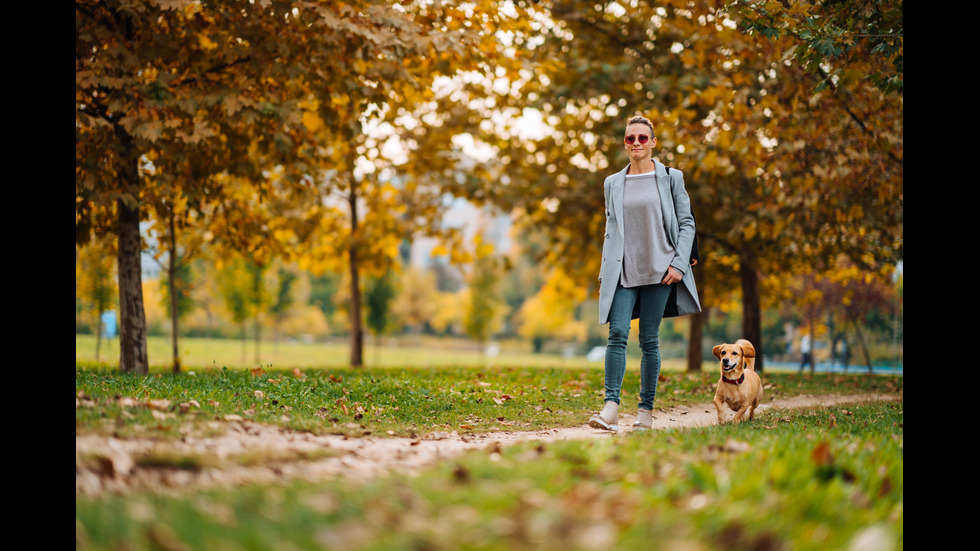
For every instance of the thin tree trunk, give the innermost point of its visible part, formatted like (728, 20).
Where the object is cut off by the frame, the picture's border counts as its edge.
(98, 336)
(172, 274)
(244, 339)
(813, 347)
(864, 346)
(695, 334)
(258, 338)
(751, 305)
(356, 334)
(694, 338)
(132, 316)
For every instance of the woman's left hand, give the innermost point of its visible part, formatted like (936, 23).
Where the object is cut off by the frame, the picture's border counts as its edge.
(672, 276)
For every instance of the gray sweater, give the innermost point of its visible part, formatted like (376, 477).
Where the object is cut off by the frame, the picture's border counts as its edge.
(647, 253)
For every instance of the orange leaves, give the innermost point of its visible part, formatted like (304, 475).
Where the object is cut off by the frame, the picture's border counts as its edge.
(821, 454)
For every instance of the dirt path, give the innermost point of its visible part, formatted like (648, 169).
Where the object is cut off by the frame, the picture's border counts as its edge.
(105, 464)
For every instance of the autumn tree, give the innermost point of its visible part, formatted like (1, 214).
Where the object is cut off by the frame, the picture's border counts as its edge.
(379, 295)
(94, 282)
(831, 35)
(177, 285)
(484, 311)
(415, 303)
(382, 185)
(163, 76)
(246, 295)
(850, 296)
(283, 297)
(783, 174)
(551, 312)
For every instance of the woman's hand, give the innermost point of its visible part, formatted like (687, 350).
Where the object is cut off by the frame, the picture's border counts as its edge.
(672, 276)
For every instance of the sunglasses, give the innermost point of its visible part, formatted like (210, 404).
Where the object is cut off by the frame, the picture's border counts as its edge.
(642, 138)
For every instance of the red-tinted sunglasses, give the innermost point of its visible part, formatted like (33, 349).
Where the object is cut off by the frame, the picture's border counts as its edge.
(642, 138)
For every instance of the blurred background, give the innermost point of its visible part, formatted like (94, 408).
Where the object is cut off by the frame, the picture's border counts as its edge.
(394, 183)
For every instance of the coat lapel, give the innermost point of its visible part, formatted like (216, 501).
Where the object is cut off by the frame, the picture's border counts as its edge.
(666, 202)
(618, 184)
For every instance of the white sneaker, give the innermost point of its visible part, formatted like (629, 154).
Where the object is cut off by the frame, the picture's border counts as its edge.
(607, 419)
(644, 419)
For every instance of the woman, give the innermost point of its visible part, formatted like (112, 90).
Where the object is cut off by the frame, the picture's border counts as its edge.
(646, 259)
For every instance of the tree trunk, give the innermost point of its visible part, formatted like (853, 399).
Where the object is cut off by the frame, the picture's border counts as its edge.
(751, 305)
(98, 336)
(132, 316)
(356, 331)
(864, 347)
(172, 274)
(694, 338)
(258, 339)
(695, 334)
(813, 347)
(244, 339)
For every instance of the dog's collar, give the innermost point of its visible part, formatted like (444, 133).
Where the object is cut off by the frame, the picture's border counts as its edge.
(734, 381)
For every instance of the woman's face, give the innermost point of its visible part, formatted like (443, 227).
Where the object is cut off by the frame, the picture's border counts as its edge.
(639, 142)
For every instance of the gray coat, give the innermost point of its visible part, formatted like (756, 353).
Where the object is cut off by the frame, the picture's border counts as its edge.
(679, 223)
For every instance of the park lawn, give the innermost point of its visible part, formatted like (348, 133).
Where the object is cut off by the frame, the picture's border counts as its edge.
(422, 351)
(395, 401)
(796, 479)
(822, 478)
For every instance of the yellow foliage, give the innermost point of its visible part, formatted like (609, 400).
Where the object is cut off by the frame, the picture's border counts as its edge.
(306, 320)
(153, 304)
(551, 312)
(448, 311)
(206, 43)
(311, 120)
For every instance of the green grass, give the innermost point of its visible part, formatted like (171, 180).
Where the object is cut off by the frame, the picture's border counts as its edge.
(800, 479)
(197, 353)
(804, 479)
(395, 401)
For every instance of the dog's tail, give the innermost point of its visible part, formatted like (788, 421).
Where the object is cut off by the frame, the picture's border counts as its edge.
(748, 352)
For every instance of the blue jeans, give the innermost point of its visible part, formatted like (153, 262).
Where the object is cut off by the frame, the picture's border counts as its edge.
(652, 300)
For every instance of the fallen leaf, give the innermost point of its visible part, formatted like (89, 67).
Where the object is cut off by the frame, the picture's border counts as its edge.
(158, 404)
(735, 446)
(127, 402)
(821, 454)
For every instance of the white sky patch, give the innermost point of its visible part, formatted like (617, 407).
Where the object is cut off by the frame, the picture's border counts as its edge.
(530, 125)
(479, 151)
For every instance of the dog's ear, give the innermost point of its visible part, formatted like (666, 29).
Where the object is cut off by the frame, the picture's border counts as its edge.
(748, 350)
(716, 349)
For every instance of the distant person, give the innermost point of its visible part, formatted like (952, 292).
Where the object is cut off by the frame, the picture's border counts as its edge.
(805, 349)
(645, 271)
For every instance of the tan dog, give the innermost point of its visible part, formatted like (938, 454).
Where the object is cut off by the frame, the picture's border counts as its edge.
(740, 386)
